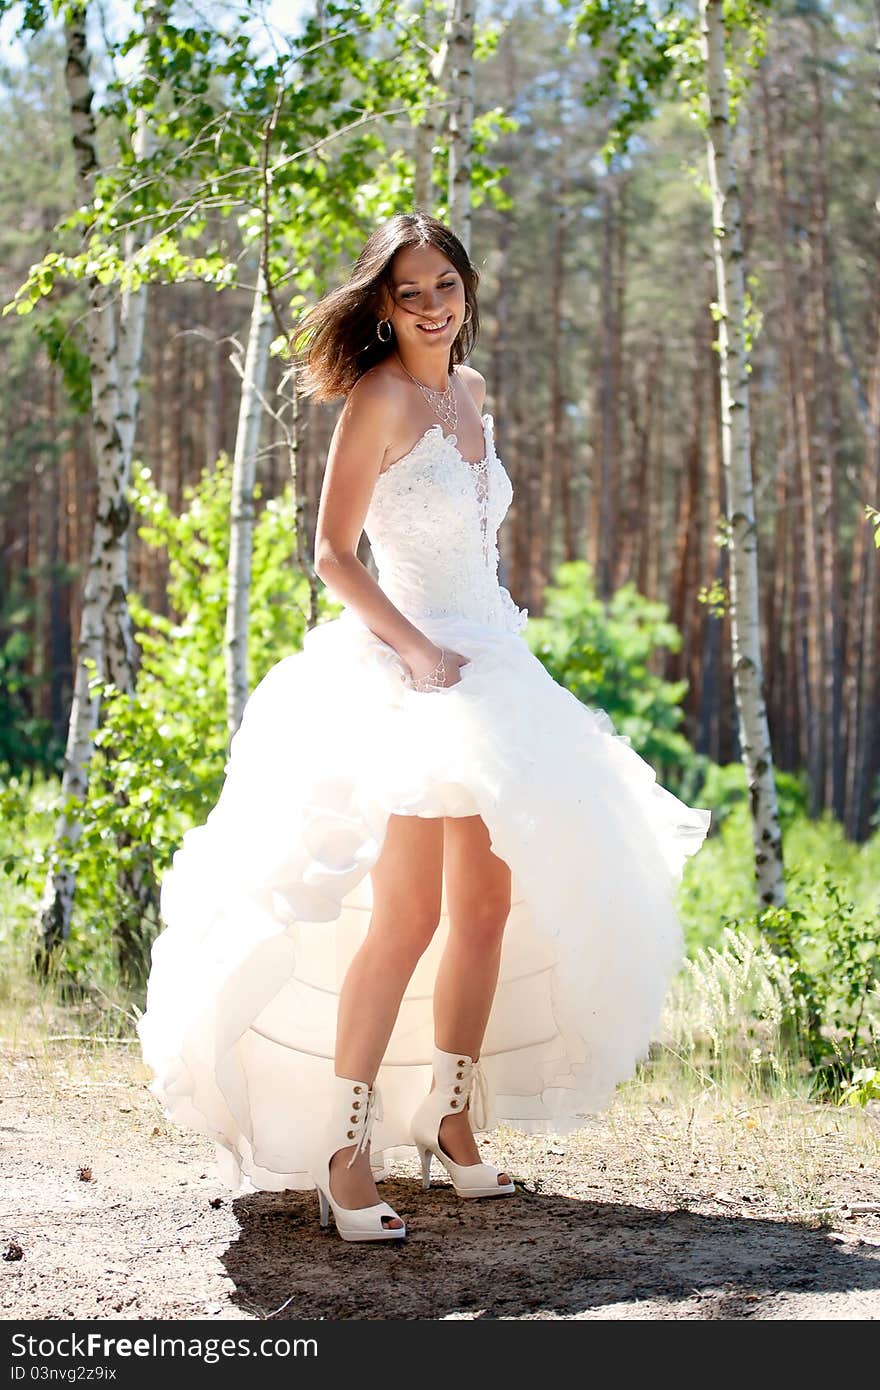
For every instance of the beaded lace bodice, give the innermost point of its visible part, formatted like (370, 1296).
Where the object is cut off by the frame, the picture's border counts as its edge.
(433, 523)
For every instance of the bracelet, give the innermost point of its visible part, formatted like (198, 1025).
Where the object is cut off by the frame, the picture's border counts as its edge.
(436, 677)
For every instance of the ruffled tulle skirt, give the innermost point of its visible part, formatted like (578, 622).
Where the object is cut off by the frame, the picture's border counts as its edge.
(266, 903)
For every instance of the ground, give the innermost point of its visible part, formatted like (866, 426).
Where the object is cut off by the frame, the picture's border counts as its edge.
(659, 1209)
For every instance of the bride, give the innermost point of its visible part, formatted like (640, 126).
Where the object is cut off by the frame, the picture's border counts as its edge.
(430, 865)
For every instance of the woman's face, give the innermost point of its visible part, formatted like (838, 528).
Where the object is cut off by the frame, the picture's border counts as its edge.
(428, 305)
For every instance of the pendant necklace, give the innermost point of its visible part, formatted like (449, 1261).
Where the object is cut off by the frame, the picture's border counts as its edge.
(443, 403)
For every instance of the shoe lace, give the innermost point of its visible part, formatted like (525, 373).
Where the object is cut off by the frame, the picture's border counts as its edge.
(478, 1097)
(372, 1112)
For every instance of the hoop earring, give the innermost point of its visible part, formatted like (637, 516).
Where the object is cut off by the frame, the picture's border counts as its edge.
(379, 330)
(470, 314)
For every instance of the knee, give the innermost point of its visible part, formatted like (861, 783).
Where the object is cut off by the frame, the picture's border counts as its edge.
(480, 924)
(407, 928)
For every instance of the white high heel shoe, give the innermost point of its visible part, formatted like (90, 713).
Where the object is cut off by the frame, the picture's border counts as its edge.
(459, 1082)
(353, 1107)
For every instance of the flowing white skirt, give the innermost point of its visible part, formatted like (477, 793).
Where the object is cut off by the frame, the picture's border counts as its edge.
(266, 904)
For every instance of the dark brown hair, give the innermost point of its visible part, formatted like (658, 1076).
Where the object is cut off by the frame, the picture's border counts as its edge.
(335, 342)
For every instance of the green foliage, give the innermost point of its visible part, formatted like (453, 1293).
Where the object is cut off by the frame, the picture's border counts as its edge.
(635, 53)
(65, 351)
(863, 1085)
(724, 787)
(159, 755)
(715, 597)
(732, 1011)
(644, 46)
(718, 883)
(833, 953)
(291, 144)
(25, 740)
(28, 805)
(602, 652)
(826, 936)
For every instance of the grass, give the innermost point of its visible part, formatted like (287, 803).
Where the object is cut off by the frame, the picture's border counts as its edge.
(741, 1146)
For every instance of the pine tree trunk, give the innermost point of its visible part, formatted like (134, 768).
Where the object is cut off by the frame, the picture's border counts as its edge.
(861, 674)
(829, 434)
(241, 530)
(551, 472)
(709, 730)
(797, 352)
(683, 588)
(608, 480)
(646, 453)
(517, 528)
(500, 383)
(862, 663)
(754, 732)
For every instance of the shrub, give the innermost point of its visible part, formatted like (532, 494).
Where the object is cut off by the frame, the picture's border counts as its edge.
(602, 653)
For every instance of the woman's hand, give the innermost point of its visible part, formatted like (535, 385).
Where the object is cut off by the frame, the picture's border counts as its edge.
(435, 668)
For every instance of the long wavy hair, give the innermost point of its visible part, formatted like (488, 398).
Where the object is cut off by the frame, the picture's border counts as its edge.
(335, 342)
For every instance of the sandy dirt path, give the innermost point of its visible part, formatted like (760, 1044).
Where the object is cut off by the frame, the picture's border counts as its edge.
(650, 1212)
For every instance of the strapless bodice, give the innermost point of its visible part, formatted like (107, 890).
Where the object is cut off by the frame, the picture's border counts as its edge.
(433, 523)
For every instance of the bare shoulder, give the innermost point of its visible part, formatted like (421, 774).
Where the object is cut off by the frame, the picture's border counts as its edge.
(374, 410)
(376, 393)
(474, 381)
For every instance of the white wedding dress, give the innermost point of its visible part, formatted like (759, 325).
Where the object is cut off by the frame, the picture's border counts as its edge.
(266, 903)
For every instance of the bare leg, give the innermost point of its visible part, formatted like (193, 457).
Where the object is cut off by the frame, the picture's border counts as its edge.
(478, 898)
(407, 883)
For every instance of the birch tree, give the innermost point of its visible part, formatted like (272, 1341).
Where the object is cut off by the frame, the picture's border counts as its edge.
(115, 343)
(642, 61)
(429, 131)
(461, 118)
(748, 677)
(204, 145)
(241, 525)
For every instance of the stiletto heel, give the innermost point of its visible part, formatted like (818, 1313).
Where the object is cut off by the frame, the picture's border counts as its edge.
(354, 1106)
(425, 1159)
(323, 1209)
(459, 1084)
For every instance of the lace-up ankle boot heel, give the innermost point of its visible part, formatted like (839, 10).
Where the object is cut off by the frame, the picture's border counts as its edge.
(354, 1105)
(459, 1084)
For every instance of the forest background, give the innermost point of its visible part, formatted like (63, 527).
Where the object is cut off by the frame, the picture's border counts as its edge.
(240, 157)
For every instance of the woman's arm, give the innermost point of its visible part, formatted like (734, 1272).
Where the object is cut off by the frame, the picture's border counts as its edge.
(357, 450)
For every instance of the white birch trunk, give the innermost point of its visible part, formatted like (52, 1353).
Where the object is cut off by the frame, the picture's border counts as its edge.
(461, 118)
(754, 733)
(129, 355)
(241, 533)
(105, 636)
(423, 182)
(429, 133)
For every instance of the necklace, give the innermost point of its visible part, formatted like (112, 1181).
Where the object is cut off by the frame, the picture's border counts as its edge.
(443, 403)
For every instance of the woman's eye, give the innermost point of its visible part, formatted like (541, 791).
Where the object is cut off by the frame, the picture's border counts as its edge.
(411, 294)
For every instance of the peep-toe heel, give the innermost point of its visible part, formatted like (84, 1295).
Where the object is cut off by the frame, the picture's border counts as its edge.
(354, 1106)
(459, 1084)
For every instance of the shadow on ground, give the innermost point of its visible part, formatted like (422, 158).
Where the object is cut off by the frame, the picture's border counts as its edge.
(536, 1255)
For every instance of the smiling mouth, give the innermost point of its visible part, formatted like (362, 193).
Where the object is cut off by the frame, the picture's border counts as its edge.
(437, 328)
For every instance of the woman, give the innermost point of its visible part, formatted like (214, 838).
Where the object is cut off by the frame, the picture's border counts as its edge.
(426, 852)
